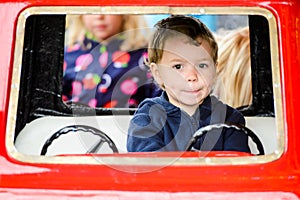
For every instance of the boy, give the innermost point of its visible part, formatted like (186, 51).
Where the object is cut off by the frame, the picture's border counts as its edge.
(182, 57)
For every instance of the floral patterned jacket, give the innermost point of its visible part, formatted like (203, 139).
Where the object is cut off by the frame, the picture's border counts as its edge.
(104, 76)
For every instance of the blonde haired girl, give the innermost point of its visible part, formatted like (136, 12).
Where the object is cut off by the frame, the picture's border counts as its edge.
(233, 85)
(103, 65)
(133, 26)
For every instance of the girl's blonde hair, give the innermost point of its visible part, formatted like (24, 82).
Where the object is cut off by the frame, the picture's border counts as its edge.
(134, 28)
(233, 84)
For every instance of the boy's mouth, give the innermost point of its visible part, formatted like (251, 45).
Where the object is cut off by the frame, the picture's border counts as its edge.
(197, 91)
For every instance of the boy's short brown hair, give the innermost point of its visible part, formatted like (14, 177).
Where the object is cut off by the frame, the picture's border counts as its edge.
(188, 26)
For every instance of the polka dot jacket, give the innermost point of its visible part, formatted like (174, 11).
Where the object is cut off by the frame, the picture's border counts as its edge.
(104, 76)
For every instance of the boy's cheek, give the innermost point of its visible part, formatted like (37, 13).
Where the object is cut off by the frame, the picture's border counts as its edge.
(167, 72)
(173, 77)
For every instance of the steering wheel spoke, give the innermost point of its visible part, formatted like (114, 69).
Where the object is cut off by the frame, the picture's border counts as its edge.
(96, 146)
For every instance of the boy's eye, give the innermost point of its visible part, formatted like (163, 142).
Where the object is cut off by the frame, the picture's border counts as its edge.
(202, 65)
(178, 66)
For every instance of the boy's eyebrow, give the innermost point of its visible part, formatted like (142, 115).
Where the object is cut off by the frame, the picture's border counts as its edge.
(180, 59)
(205, 59)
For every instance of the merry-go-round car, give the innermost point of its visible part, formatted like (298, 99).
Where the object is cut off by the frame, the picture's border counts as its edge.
(51, 148)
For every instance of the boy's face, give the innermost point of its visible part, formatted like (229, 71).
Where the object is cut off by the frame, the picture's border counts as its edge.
(186, 71)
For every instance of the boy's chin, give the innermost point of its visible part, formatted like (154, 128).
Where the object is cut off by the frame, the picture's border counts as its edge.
(191, 102)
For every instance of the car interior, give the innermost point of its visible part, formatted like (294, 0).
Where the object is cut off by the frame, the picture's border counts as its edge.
(41, 125)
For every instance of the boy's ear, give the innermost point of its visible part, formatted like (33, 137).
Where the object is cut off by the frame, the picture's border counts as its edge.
(155, 73)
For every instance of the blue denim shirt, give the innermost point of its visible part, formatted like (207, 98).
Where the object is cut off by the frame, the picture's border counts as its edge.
(158, 125)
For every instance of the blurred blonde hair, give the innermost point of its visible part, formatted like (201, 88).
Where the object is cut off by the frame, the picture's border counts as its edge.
(134, 28)
(233, 84)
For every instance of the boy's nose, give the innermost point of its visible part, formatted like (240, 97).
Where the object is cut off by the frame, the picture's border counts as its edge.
(192, 75)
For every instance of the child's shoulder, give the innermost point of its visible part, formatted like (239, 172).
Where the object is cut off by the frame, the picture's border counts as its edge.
(215, 101)
(149, 102)
(230, 111)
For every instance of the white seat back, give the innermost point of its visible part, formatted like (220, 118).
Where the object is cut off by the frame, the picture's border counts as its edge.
(265, 129)
(32, 138)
